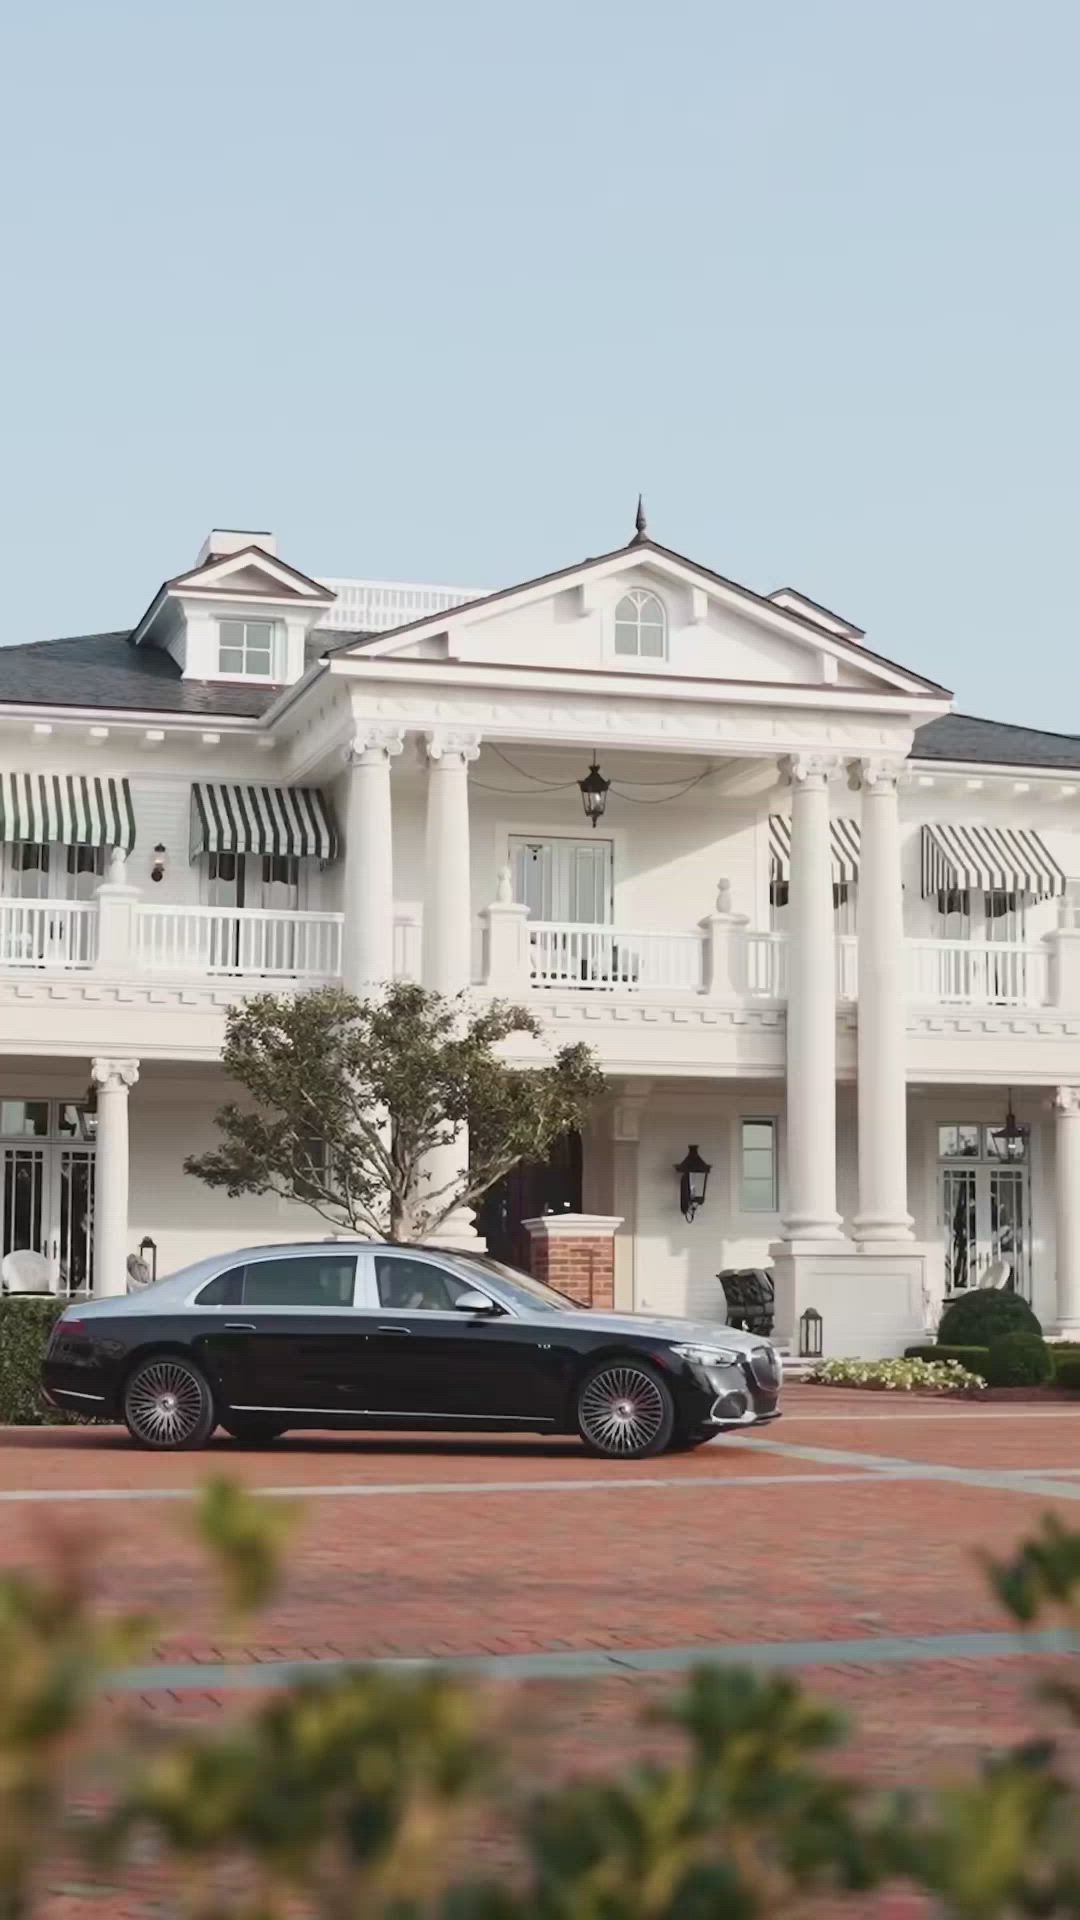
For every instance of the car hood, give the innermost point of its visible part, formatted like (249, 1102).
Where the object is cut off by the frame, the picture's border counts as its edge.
(706, 1333)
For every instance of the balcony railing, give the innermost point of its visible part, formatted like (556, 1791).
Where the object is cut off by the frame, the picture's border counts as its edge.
(962, 973)
(603, 959)
(48, 933)
(242, 940)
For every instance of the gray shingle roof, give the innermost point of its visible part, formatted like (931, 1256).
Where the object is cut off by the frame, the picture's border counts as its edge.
(960, 736)
(102, 670)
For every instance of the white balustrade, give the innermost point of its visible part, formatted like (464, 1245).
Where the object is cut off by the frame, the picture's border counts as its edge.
(603, 959)
(48, 933)
(228, 940)
(766, 974)
(971, 973)
(375, 606)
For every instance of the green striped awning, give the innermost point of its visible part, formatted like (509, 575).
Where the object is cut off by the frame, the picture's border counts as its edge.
(66, 810)
(844, 846)
(998, 859)
(288, 820)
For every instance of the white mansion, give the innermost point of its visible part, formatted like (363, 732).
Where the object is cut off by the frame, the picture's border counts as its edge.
(811, 922)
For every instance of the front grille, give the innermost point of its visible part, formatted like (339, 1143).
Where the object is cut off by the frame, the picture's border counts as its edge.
(765, 1367)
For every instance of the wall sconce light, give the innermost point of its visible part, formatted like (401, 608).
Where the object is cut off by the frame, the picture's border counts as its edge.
(693, 1174)
(157, 864)
(594, 793)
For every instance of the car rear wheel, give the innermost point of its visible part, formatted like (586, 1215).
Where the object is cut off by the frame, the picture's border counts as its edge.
(168, 1405)
(625, 1410)
(255, 1432)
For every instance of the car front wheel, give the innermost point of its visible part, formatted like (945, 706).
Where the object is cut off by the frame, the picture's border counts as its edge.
(625, 1410)
(168, 1404)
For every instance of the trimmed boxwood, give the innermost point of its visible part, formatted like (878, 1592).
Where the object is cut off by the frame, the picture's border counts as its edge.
(25, 1324)
(1067, 1370)
(977, 1318)
(1019, 1360)
(1062, 1351)
(973, 1358)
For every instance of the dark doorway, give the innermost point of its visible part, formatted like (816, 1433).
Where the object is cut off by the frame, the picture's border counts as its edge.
(545, 1186)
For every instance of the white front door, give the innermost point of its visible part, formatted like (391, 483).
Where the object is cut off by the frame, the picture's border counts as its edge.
(47, 1188)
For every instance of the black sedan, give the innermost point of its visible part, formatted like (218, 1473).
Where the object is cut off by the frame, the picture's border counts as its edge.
(357, 1335)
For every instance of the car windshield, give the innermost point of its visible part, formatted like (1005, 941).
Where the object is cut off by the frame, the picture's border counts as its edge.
(526, 1291)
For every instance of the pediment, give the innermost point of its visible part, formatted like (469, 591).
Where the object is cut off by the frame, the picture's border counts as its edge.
(251, 574)
(714, 630)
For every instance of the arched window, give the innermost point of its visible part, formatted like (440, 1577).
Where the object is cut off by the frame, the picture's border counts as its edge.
(641, 625)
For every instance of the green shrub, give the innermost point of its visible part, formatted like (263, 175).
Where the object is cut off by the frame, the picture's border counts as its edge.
(1066, 1371)
(1019, 1360)
(25, 1323)
(973, 1358)
(975, 1319)
(1062, 1351)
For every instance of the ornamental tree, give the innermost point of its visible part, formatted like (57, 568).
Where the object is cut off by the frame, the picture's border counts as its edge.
(349, 1098)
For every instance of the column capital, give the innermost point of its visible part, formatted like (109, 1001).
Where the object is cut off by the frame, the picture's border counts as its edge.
(877, 773)
(809, 769)
(110, 1075)
(373, 745)
(452, 743)
(1066, 1102)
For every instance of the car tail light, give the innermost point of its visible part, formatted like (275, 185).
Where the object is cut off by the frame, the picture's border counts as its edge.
(71, 1329)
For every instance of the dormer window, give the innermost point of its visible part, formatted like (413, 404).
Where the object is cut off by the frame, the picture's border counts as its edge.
(246, 649)
(641, 625)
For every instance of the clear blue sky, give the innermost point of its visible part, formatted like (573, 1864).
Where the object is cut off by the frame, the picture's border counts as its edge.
(432, 290)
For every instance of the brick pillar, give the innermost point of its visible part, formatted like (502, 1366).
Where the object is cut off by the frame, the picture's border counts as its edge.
(575, 1252)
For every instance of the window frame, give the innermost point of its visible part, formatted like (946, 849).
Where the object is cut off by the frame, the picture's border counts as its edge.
(245, 673)
(368, 1285)
(640, 597)
(770, 1120)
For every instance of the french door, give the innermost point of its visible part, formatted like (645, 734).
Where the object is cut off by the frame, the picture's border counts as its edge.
(266, 881)
(563, 879)
(47, 1191)
(986, 1220)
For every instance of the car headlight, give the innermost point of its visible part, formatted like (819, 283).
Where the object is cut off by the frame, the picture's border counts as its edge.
(708, 1356)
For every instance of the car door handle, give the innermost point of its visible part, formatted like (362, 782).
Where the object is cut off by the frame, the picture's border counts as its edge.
(404, 1331)
(239, 1326)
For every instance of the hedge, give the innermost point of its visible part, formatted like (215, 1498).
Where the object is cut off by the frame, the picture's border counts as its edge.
(25, 1322)
(975, 1319)
(1019, 1360)
(973, 1358)
(1067, 1371)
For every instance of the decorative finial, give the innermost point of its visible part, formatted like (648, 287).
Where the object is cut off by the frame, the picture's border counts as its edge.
(639, 523)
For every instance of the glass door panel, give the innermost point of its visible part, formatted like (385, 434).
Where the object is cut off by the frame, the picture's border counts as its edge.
(960, 1210)
(1007, 1225)
(73, 1211)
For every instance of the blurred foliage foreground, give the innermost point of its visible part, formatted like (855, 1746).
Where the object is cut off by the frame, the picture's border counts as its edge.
(364, 1794)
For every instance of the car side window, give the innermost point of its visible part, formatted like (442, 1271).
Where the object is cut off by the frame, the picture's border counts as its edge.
(415, 1285)
(224, 1291)
(300, 1280)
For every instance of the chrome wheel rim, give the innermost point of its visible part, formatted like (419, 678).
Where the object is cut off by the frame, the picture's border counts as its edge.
(165, 1403)
(622, 1410)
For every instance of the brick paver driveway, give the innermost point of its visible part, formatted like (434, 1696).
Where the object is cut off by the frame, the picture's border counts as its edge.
(843, 1542)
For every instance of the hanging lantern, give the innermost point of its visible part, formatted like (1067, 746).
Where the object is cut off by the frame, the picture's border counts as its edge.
(693, 1174)
(594, 793)
(1010, 1141)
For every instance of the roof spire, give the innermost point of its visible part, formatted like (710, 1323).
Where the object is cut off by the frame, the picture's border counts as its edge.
(639, 524)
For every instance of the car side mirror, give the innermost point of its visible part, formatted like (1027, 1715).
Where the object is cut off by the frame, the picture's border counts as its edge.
(475, 1303)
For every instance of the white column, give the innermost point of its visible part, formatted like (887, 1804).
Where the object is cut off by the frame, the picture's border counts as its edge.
(1067, 1196)
(811, 1007)
(447, 937)
(882, 1053)
(446, 954)
(368, 932)
(112, 1079)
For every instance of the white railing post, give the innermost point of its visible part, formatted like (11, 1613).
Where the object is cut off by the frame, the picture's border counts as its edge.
(1063, 958)
(116, 905)
(506, 940)
(724, 955)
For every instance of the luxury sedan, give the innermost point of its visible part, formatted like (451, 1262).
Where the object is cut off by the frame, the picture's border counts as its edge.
(358, 1335)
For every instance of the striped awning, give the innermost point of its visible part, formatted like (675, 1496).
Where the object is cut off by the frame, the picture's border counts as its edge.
(66, 810)
(289, 820)
(844, 842)
(1012, 859)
